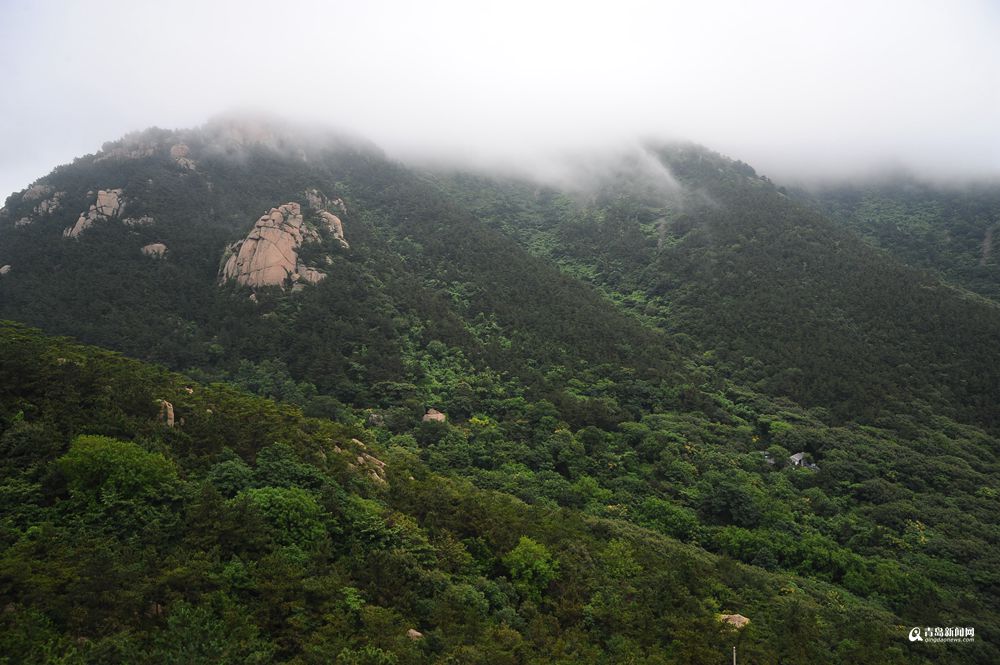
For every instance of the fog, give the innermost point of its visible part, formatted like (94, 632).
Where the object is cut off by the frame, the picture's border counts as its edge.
(801, 91)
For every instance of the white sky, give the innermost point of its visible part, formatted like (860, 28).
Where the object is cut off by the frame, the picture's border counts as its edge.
(797, 89)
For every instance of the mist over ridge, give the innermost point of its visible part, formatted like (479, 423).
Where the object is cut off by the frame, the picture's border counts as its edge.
(803, 93)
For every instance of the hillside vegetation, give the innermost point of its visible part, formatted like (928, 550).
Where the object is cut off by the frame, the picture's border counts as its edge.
(669, 392)
(247, 532)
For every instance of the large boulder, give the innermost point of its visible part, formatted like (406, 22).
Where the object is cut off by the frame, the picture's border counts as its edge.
(269, 255)
(180, 154)
(434, 416)
(109, 204)
(157, 250)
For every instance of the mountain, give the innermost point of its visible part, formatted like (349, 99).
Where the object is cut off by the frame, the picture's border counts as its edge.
(947, 229)
(788, 301)
(654, 359)
(417, 269)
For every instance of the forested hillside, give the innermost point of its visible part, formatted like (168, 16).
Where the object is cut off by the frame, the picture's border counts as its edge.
(534, 422)
(786, 300)
(949, 229)
(419, 269)
(243, 532)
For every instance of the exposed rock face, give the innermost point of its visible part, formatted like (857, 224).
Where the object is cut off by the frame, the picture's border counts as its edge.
(36, 192)
(44, 207)
(179, 153)
(157, 250)
(414, 634)
(434, 416)
(335, 226)
(269, 255)
(50, 204)
(4, 269)
(317, 201)
(734, 620)
(109, 204)
(166, 413)
(375, 466)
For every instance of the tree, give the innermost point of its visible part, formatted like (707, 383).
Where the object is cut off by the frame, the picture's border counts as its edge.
(294, 515)
(532, 568)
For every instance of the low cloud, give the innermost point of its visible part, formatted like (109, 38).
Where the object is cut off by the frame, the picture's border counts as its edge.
(801, 91)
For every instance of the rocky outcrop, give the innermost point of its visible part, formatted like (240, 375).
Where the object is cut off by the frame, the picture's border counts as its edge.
(318, 202)
(109, 204)
(375, 466)
(269, 255)
(414, 634)
(335, 226)
(36, 192)
(129, 151)
(166, 413)
(434, 416)
(735, 620)
(49, 205)
(46, 206)
(157, 250)
(180, 154)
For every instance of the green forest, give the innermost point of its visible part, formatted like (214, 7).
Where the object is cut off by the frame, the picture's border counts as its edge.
(670, 394)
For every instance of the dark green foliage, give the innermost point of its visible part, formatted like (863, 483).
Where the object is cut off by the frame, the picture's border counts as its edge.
(775, 295)
(951, 230)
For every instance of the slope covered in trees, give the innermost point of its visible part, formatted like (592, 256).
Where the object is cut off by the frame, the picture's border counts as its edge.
(786, 300)
(247, 532)
(419, 270)
(951, 230)
(627, 363)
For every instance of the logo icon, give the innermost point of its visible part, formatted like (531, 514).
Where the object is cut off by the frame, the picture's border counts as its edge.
(915, 635)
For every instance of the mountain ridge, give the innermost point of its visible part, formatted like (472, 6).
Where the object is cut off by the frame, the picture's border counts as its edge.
(670, 346)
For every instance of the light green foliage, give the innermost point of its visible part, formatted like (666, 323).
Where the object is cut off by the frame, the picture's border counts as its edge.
(669, 518)
(98, 467)
(293, 514)
(119, 485)
(532, 567)
(353, 599)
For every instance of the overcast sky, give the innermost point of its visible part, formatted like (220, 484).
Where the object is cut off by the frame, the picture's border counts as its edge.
(794, 88)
